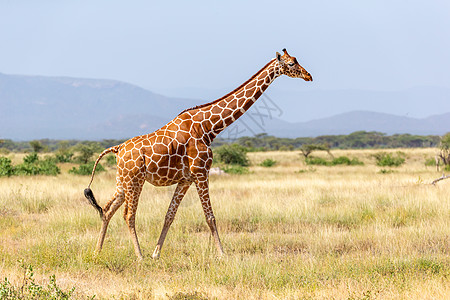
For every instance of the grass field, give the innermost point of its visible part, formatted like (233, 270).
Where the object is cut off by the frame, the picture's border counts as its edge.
(290, 231)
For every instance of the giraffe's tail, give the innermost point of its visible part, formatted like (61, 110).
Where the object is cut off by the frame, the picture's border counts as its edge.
(90, 196)
(88, 192)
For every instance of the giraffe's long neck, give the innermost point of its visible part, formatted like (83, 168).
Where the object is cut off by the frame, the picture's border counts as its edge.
(224, 111)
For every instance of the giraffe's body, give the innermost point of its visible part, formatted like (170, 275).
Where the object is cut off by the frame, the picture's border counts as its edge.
(179, 152)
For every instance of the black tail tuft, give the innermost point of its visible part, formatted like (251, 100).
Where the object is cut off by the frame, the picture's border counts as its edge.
(90, 196)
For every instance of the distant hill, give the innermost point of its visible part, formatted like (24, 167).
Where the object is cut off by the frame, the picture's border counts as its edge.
(35, 107)
(345, 123)
(61, 108)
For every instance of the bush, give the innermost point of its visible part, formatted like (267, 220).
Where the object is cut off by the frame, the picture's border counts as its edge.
(341, 160)
(235, 169)
(6, 169)
(233, 154)
(316, 161)
(31, 158)
(86, 169)
(384, 159)
(63, 154)
(268, 163)
(344, 160)
(32, 165)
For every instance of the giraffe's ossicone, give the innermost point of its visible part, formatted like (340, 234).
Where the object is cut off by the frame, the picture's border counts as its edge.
(179, 153)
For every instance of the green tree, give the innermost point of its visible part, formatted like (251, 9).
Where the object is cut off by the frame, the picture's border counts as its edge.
(37, 146)
(85, 152)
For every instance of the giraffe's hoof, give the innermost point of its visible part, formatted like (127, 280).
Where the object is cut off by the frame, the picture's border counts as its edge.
(156, 253)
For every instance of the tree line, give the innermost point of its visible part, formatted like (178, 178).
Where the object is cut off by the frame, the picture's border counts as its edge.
(260, 142)
(355, 140)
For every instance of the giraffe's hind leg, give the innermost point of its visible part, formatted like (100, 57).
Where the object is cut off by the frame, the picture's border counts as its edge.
(178, 195)
(108, 212)
(132, 193)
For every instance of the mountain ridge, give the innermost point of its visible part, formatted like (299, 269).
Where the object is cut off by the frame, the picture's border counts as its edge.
(34, 107)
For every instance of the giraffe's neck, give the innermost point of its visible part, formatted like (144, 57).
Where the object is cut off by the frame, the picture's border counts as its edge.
(221, 113)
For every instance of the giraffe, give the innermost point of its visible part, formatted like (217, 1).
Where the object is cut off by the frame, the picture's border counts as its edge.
(179, 153)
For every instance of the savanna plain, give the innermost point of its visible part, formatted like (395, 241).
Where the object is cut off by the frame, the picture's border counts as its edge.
(290, 231)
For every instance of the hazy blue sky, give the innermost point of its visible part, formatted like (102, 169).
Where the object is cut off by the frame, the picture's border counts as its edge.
(162, 45)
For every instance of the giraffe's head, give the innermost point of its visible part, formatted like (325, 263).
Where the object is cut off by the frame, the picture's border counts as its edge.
(290, 67)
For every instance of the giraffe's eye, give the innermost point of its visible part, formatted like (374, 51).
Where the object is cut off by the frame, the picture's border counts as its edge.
(291, 64)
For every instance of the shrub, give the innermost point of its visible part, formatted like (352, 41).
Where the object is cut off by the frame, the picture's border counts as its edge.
(316, 161)
(341, 160)
(236, 169)
(384, 159)
(232, 154)
(31, 158)
(63, 154)
(86, 169)
(268, 163)
(6, 169)
(32, 165)
(344, 160)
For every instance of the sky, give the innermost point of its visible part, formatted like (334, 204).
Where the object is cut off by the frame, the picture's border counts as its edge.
(196, 48)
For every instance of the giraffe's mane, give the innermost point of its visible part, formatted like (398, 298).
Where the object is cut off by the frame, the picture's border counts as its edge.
(232, 92)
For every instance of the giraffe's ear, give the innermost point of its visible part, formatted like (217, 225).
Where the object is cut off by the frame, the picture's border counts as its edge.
(278, 55)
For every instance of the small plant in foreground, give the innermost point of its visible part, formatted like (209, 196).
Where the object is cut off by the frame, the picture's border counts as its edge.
(31, 290)
(268, 163)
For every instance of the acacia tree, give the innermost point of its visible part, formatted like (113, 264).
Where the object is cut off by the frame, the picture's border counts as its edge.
(307, 149)
(444, 152)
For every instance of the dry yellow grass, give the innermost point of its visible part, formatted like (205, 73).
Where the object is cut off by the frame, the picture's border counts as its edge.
(290, 232)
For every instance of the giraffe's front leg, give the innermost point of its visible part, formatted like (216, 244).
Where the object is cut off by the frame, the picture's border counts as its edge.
(202, 185)
(178, 195)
